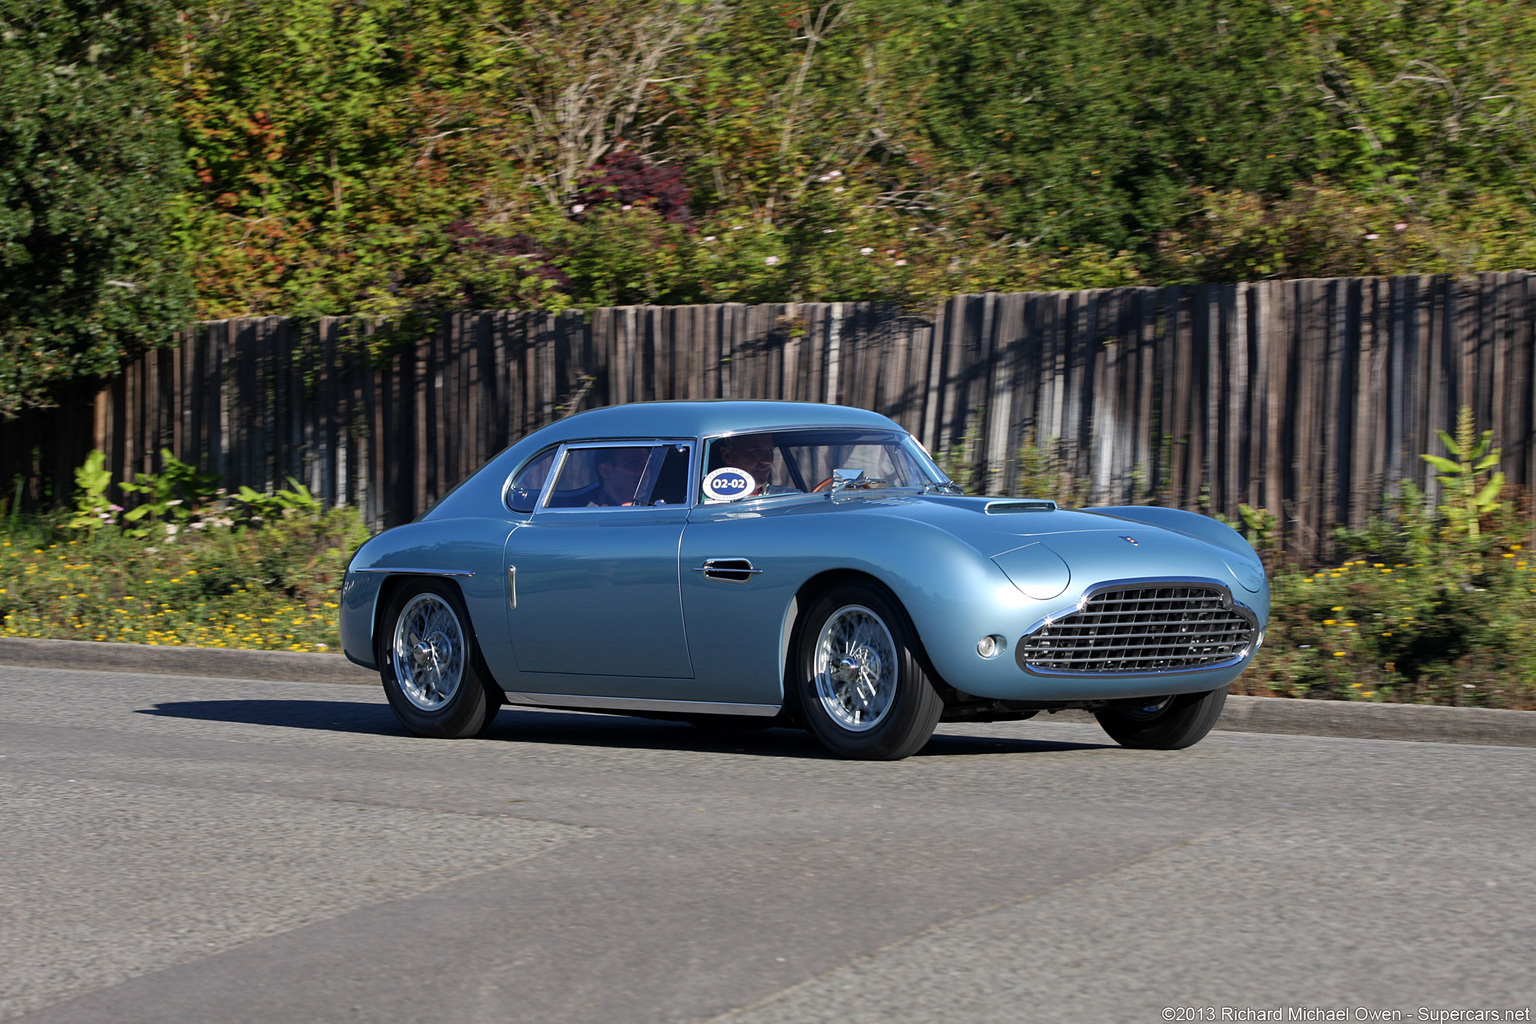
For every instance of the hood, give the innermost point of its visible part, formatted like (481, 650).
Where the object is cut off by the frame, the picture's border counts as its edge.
(996, 532)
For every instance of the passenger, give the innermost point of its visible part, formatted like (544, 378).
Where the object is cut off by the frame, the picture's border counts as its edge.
(751, 452)
(618, 474)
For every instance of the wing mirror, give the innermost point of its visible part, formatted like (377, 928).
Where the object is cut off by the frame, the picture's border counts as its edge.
(842, 479)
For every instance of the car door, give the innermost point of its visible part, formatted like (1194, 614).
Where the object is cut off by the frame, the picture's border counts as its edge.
(739, 581)
(593, 572)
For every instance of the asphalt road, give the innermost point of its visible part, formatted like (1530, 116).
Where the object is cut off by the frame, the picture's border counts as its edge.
(179, 849)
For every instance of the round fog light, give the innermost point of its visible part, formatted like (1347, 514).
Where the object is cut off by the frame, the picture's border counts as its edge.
(989, 646)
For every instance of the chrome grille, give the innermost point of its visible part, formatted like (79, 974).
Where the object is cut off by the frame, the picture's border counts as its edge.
(1142, 628)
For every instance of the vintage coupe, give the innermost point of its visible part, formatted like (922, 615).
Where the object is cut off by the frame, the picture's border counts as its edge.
(741, 563)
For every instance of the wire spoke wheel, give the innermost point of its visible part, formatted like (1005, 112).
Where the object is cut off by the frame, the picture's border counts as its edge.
(860, 679)
(856, 668)
(429, 651)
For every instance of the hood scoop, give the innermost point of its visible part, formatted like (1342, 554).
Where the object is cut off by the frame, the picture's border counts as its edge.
(1003, 508)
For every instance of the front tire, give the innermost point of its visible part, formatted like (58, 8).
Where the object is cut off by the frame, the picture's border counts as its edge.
(1170, 724)
(430, 665)
(863, 688)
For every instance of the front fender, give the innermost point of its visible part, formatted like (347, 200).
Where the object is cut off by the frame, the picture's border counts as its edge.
(468, 551)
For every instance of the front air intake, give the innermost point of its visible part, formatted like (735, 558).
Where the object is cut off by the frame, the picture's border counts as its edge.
(1142, 628)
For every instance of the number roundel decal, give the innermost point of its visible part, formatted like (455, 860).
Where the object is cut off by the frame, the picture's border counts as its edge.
(728, 484)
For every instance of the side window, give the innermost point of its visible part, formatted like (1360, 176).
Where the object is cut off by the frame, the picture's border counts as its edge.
(622, 476)
(523, 494)
(672, 479)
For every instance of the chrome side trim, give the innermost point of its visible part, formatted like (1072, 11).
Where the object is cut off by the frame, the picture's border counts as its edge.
(701, 707)
(512, 586)
(466, 573)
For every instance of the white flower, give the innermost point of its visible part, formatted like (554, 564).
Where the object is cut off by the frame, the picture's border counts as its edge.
(578, 208)
(901, 263)
(865, 251)
(1372, 237)
(834, 175)
(828, 231)
(170, 529)
(771, 260)
(626, 206)
(735, 227)
(838, 189)
(1400, 226)
(709, 238)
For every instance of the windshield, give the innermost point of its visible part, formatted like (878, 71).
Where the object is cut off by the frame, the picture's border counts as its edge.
(804, 462)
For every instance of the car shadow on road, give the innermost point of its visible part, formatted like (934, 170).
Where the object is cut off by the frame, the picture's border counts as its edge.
(577, 729)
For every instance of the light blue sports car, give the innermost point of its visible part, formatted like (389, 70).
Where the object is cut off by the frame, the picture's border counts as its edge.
(761, 563)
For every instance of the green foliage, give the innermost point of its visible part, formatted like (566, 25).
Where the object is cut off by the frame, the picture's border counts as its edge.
(885, 149)
(1261, 526)
(89, 171)
(92, 507)
(1046, 471)
(1468, 494)
(275, 588)
(1405, 632)
(959, 460)
(196, 567)
(293, 499)
(178, 492)
(1431, 606)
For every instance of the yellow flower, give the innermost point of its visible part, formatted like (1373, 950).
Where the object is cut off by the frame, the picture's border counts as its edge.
(1369, 693)
(1338, 654)
(1330, 622)
(1337, 608)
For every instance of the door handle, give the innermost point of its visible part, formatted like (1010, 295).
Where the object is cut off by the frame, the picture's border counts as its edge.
(731, 570)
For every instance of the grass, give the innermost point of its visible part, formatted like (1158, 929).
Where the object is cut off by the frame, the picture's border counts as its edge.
(269, 588)
(1450, 631)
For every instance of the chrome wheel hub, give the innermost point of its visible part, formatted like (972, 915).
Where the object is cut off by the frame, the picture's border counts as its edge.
(429, 650)
(856, 668)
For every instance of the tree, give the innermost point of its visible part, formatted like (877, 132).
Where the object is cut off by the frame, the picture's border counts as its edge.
(90, 268)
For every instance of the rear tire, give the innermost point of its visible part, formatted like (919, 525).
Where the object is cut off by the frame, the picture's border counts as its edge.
(1170, 724)
(863, 688)
(430, 664)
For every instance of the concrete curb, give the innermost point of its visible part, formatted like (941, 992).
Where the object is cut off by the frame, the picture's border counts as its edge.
(215, 662)
(1242, 714)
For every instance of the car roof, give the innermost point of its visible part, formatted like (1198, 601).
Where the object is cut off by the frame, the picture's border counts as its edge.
(648, 420)
(703, 419)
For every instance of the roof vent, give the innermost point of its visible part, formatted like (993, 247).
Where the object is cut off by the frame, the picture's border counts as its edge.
(999, 508)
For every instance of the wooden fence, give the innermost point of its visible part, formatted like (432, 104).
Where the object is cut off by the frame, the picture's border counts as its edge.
(1310, 398)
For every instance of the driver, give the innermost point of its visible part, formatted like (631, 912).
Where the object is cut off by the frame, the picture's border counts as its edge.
(750, 452)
